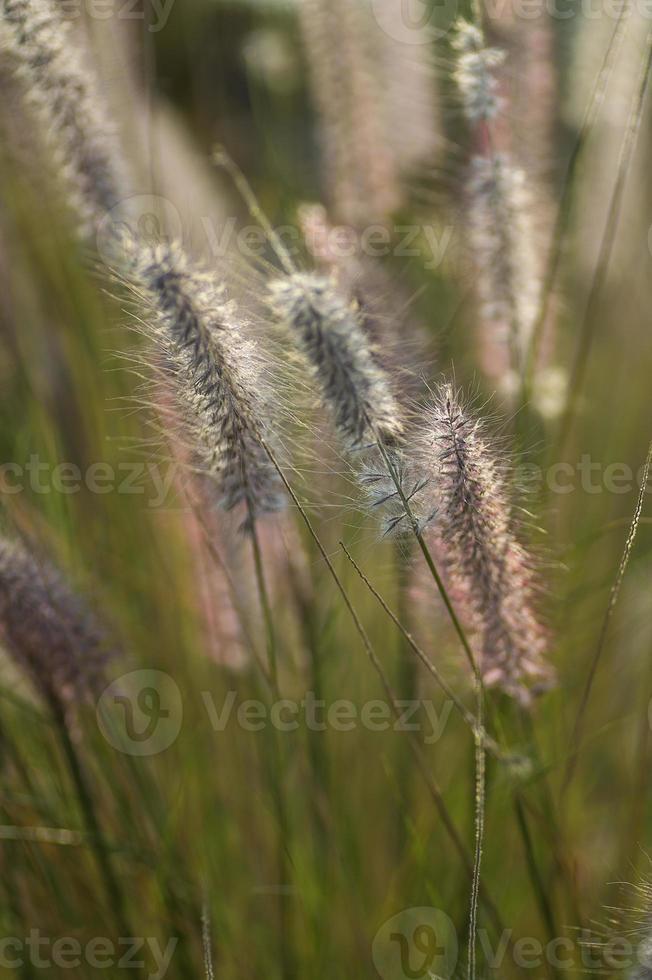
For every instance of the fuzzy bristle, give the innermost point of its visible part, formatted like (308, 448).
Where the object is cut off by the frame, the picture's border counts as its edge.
(62, 91)
(216, 370)
(381, 487)
(485, 560)
(46, 628)
(352, 382)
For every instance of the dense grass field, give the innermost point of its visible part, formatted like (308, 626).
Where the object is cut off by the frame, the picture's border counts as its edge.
(387, 712)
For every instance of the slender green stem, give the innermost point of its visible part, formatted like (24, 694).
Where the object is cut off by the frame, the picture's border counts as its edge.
(316, 746)
(266, 608)
(113, 891)
(480, 767)
(425, 551)
(467, 715)
(576, 737)
(432, 785)
(286, 946)
(562, 221)
(407, 683)
(549, 816)
(540, 890)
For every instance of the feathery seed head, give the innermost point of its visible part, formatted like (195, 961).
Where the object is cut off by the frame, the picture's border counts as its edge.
(485, 560)
(361, 165)
(46, 628)
(474, 72)
(503, 246)
(352, 381)
(396, 338)
(217, 374)
(62, 92)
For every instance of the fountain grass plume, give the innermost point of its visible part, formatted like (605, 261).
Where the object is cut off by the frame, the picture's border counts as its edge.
(500, 210)
(47, 628)
(62, 92)
(347, 370)
(474, 72)
(217, 374)
(498, 200)
(484, 558)
(361, 164)
(397, 338)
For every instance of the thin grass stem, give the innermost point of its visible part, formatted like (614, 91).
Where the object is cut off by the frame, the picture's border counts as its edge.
(590, 317)
(578, 728)
(113, 891)
(432, 785)
(562, 221)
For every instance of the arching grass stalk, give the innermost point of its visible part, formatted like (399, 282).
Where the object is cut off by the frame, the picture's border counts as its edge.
(433, 788)
(216, 372)
(312, 637)
(467, 715)
(578, 727)
(427, 556)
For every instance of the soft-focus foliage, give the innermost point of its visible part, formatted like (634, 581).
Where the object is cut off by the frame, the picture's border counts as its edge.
(440, 358)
